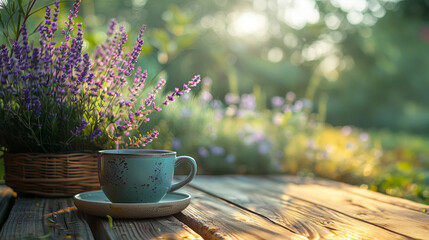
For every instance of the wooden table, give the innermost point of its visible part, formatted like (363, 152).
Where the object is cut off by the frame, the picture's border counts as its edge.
(232, 207)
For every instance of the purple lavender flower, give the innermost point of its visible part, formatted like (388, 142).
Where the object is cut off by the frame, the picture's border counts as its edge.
(186, 88)
(48, 16)
(35, 106)
(177, 92)
(26, 95)
(54, 25)
(170, 97)
(52, 80)
(82, 77)
(194, 82)
(158, 109)
(95, 134)
(79, 128)
(70, 22)
(135, 53)
(75, 51)
(23, 58)
(112, 27)
(149, 138)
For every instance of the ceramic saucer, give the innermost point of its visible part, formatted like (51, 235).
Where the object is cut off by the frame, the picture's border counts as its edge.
(96, 203)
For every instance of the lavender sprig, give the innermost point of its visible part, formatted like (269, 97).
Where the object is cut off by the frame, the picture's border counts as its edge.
(60, 98)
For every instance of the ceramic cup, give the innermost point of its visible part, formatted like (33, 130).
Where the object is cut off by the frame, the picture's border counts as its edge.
(140, 176)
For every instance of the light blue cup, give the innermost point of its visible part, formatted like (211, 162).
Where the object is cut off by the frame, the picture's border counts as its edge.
(140, 176)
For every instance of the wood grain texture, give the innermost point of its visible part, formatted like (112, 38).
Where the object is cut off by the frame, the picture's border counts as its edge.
(157, 228)
(312, 220)
(214, 218)
(6, 203)
(400, 202)
(45, 218)
(396, 218)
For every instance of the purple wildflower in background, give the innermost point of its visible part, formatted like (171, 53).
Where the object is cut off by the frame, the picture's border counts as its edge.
(186, 112)
(216, 104)
(230, 158)
(217, 150)
(79, 128)
(277, 101)
(203, 152)
(231, 98)
(364, 137)
(298, 106)
(264, 148)
(290, 96)
(175, 144)
(206, 96)
(248, 102)
(346, 130)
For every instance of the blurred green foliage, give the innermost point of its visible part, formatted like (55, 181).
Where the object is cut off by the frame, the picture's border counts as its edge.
(367, 56)
(240, 138)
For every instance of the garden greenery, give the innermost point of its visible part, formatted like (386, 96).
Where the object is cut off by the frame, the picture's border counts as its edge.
(54, 97)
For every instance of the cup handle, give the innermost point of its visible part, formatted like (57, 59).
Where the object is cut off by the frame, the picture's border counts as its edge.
(191, 162)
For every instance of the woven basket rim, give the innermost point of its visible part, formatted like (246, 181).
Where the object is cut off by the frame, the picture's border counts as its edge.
(58, 175)
(50, 154)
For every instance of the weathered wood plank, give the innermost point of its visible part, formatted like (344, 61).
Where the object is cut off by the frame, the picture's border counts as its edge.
(399, 219)
(6, 202)
(313, 220)
(354, 190)
(157, 228)
(47, 218)
(213, 218)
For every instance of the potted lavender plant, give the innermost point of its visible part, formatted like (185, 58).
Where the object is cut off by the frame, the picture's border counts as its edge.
(58, 104)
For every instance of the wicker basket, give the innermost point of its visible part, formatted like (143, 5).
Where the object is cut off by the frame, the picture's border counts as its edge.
(51, 175)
